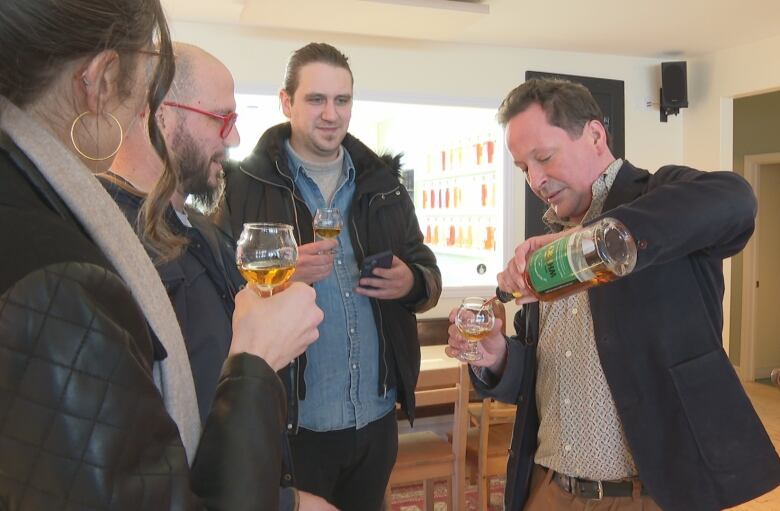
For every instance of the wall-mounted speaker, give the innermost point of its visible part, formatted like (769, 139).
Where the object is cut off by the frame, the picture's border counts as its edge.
(674, 84)
(674, 88)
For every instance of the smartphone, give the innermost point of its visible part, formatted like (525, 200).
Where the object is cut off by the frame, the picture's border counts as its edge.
(381, 260)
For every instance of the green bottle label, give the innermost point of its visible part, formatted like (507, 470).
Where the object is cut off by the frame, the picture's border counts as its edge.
(549, 267)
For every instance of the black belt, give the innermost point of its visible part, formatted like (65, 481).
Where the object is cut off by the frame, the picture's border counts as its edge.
(595, 490)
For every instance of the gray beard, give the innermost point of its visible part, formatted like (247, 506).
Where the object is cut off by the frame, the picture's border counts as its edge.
(193, 173)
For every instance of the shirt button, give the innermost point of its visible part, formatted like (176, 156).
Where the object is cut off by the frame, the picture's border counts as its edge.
(352, 330)
(346, 294)
(354, 366)
(338, 261)
(568, 353)
(567, 447)
(289, 426)
(574, 311)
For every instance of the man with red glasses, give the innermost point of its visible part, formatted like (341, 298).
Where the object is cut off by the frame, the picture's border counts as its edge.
(228, 120)
(197, 120)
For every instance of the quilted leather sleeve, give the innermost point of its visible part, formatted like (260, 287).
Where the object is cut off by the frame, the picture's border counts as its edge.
(239, 461)
(82, 425)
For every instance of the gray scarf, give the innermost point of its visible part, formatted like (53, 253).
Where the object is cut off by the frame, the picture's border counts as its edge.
(104, 222)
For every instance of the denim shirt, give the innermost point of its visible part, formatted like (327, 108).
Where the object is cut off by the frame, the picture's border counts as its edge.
(342, 370)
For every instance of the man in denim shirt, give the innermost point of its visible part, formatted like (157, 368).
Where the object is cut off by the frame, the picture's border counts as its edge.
(342, 394)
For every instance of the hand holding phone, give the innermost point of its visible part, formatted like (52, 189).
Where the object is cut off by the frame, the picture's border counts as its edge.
(396, 281)
(381, 260)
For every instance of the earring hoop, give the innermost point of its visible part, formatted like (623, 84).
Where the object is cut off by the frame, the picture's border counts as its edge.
(82, 153)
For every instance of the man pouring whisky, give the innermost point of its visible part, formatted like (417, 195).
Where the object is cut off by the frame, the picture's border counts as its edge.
(626, 398)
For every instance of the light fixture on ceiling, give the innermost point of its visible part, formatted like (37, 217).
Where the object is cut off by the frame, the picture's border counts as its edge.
(474, 6)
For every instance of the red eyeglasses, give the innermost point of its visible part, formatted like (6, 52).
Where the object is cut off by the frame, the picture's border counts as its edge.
(228, 119)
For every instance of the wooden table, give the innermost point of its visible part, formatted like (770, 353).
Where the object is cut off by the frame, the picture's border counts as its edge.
(436, 368)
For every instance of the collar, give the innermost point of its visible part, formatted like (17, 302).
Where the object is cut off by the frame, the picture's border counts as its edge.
(268, 162)
(122, 182)
(121, 189)
(183, 217)
(599, 191)
(298, 164)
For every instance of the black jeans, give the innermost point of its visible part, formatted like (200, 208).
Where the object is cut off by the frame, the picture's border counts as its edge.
(348, 467)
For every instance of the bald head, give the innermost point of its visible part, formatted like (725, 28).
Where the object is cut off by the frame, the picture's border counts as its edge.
(195, 67)
(196, 120)
(202, 90)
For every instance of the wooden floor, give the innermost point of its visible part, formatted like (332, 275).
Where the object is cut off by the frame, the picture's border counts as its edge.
(766, 399)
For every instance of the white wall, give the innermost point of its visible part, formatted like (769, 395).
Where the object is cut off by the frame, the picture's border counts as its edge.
(436, 73)
(714, 80)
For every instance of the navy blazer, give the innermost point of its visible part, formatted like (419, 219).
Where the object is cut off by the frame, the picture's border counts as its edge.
(694, 435)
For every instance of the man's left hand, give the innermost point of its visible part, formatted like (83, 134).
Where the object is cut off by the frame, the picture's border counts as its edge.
(388, 283)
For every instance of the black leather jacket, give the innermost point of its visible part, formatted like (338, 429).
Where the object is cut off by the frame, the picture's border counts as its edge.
(82, 424)
(381, 218)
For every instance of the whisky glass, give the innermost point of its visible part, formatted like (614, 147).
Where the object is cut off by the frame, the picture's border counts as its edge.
(327, 223)
(474, 320)
(266, 255)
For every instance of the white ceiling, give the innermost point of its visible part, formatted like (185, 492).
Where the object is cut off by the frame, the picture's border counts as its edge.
(653, 28)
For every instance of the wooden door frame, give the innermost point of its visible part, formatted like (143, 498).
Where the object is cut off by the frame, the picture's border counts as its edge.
(747, 332)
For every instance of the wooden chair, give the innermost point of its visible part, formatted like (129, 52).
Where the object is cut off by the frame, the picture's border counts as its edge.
(487, 444)
(427, 457)
(488, 441)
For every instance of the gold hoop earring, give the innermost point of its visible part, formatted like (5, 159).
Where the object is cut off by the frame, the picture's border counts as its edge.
(82, 153)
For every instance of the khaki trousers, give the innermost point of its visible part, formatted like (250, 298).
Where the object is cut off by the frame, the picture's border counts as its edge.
(546, 495)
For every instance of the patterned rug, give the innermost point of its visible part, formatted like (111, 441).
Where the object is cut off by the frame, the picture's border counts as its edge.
(410, 498)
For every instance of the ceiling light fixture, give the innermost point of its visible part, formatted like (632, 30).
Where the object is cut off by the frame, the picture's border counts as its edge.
(475, 6)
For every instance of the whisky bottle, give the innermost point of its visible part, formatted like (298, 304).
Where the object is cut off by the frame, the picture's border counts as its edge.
(601, 252)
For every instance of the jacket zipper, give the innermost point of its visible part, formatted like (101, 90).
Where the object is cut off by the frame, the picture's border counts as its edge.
(294, 370)
(378, 308)
(292, 197)
(296, 367)
(382, 194)
(289, 189)
(384, 350)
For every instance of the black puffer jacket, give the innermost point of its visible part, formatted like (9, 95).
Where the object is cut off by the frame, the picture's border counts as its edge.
(82, 425)
(382, 217)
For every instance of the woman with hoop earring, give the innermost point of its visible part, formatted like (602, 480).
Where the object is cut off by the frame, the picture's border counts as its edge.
(97, 404)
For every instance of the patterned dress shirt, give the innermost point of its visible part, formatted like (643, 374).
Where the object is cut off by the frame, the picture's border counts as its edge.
(580, 433)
